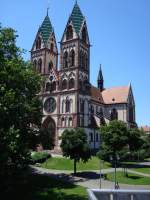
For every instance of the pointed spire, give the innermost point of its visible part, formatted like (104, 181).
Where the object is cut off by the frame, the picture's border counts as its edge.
(77, 17)
(100, 75)
(100, 80)
(46, 28)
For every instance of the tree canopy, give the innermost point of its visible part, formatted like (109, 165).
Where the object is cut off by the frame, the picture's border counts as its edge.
(20, 106)
(75, 146)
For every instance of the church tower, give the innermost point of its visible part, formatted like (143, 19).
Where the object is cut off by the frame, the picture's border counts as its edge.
(74, 70)
(44, 53)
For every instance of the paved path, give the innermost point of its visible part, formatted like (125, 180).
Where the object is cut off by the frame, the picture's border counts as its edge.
(87, 179)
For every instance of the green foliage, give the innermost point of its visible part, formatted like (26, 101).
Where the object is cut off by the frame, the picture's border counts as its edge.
(39, 157)
(114, 139)
(19, 104)
(67, 164)
(134, 140)
(128, 144)
(130, 179)
(46, 139)
(75, 146)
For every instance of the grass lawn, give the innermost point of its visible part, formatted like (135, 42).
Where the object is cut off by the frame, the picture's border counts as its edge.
(67, 164)
(132, 179)
(42, 187)
(145, 170)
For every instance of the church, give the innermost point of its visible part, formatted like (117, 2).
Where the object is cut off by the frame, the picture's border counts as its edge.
(69, 99)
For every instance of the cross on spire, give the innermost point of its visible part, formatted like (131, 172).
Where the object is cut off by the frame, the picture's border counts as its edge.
(48, 5)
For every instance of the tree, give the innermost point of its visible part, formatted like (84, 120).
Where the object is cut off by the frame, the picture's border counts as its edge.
(135, 142)
(20, 107)
(75, 146)
(114, 139)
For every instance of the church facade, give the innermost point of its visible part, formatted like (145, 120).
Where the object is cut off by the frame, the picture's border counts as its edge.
(69, 99)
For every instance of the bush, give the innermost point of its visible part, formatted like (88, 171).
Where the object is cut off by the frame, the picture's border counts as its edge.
(39, 157)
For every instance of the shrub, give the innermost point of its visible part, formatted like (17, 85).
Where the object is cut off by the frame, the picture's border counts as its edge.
(39, 157)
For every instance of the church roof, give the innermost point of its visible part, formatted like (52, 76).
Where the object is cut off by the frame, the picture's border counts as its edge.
(77, 18)
(96, 94)
(116, 95)
(46, 29)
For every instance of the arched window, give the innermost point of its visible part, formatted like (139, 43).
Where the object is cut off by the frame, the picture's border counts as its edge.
(65, 62)
(97, 137)
(86, 62)
(48, 86)
(72, 58)
(67, 105)
(92, 109)
(91, 137)
(69, 33)
(63, 122)
(51, 47)
(40, 65)
(53, 86)
(84, 35)
(80, 84)
(64, 84)
(114, 114)
(71, 83)
(81, 59)
(34, 64)
(63, 106)
(50, 66)
(82, 106)
(38, 43)
(70, 121)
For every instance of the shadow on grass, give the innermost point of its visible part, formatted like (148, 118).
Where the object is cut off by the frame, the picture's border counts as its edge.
(42, 187)
(88, 175)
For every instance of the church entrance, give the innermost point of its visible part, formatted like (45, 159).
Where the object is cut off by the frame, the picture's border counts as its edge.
(50, 127)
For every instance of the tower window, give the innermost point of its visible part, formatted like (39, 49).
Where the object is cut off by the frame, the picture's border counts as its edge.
(48, 87)
(40, 65)
(131, 114)
(114, 114)
(70, 121)
(67, 105)
(53, 86)
(64, 84)
(65, 63)
(84, 35)
(38, 43)
(50, 66)
(71, 83)
(69, 34)
(72, 58)
(51, 47)
(91, 137)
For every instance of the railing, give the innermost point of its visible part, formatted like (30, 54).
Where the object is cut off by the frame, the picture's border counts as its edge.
(108, 194)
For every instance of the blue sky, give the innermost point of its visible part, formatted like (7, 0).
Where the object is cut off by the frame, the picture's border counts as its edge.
(119, 32)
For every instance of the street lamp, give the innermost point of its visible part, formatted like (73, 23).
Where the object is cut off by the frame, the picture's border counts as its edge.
(115, 163)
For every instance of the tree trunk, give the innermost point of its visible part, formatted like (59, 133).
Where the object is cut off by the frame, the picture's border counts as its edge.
(75, 169)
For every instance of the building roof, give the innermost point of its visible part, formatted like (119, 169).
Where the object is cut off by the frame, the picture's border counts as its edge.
(46, 29)
(145, 128)
(96, 94)
(77, 18)
(116, 95)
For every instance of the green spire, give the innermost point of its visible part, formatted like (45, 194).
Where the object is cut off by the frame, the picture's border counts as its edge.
(46, 28)
(77, 17)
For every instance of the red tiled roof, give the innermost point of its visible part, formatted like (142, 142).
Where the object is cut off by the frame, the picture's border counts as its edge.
(115, 95)
(96, 94)
(145, 128)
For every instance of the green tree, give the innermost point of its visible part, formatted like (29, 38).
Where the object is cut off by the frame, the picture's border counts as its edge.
(20, 107)
(75, 146)
(114, 139)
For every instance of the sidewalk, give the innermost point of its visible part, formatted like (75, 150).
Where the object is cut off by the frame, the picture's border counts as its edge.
(88, 179)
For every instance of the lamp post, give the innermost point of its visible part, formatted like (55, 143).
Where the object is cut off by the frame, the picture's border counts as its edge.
(115, 165)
